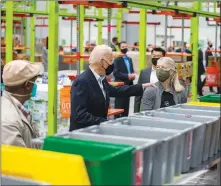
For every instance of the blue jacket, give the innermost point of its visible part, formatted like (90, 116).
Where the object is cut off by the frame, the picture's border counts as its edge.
(88, 105)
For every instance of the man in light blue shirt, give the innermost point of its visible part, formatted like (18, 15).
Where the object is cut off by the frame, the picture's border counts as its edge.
(123, 72)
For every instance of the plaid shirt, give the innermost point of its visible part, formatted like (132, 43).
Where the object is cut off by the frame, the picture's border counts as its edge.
(22, 108)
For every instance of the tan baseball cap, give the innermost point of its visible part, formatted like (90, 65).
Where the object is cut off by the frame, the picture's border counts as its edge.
(18, 72)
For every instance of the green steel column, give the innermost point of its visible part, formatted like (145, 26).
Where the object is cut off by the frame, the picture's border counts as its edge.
(25, 32)
(52, 66)
(142, 39)
(9, 31)
(81, 29)
(194, 47)
(100, 27)
(119, 25)
(32, 33)
(214, 6)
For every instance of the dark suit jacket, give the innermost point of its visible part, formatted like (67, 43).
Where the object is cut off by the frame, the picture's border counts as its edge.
(120, 70)
(201, 69)
(143, 78)
(88, 105)
(207, 54)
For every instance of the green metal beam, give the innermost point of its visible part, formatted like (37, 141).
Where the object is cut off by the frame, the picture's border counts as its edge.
(62, 14)
(9, 31)
(81, 29)
(100, 27)
(155, 5)
(14, 18)
(142, 39)
(194, 47)
(25, 32)
(32, 34)
(53, 66)
(119, 24)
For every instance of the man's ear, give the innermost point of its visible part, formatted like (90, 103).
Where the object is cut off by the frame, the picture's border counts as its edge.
(27, 85)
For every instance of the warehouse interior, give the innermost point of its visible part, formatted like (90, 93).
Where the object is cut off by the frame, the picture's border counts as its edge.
(114, 92)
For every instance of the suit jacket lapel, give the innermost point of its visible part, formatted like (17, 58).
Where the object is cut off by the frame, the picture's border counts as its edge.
(123, 63)
(107, 93)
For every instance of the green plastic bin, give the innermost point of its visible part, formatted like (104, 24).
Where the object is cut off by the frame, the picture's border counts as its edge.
(212, 98)
(107, 164)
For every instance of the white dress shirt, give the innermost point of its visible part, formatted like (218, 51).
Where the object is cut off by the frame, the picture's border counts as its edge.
(153, 76)
(99, 80)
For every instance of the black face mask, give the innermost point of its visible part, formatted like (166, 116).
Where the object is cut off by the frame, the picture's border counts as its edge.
(109, 69)
(124, 51)
(210, 46)
(154, 61)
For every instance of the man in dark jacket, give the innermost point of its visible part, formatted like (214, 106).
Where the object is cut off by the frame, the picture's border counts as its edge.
(90, 92)
(207, 54)
(148, 75)
(123, 72)
(201, 71)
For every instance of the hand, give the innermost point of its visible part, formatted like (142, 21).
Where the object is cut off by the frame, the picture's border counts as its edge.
(145, 85)
(131, 76)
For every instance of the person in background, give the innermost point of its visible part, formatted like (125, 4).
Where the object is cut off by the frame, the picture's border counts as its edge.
(90, 92)
(45, 55)
(87, 47)
(136, 48)
(2, 41)
(19, 77)
(168, 90)
(114, 44)
(185, 50)
(201, 71)
(170, 49)
(123, 72)
(148, 75)
(61, 50)
(219, 52)
(149, 48)
(207, 54)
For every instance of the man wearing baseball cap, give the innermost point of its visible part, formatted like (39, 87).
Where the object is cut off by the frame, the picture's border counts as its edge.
(19, 78)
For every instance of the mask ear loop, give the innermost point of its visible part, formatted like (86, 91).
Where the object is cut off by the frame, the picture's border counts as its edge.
(105, 62)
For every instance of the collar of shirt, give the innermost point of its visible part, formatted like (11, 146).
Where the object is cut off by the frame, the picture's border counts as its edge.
(97, 77)
(125, 57)
(21, 107)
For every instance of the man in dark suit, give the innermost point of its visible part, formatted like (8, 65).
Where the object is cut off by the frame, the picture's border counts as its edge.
(201, 71)
(124, 72)
(90, 92)
(148, 75)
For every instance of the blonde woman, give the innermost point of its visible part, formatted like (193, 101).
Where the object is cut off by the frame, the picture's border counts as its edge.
(167, 91)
